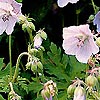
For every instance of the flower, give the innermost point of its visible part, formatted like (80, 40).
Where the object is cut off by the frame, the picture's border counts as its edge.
(96, 21)
(62, 3)
(37, 41)
(9, 12)
(78, 41)
(79, 93)
(49, 90)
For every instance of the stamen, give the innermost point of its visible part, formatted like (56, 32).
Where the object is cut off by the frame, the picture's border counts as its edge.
(5, 17)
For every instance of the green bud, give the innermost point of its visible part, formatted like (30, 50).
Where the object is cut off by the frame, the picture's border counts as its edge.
(70, 89)
(31, 26)
(98, 41)
(22, 19)
(79, 93)
(91, 18)
(28, 65)
(39, 64)
(44, 35)
(91, 81)
(24, 27)
(34, 67)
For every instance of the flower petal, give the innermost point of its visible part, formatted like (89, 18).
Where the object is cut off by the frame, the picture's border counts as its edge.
(10, 25)
(84, 53)
(3, 26)
(94, 47)
(62, 3)
(70, 46)
(96, 21)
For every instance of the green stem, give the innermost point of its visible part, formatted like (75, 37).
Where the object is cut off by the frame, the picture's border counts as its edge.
(17, 64)
(10, 57)
(31, 37)
(93, 6)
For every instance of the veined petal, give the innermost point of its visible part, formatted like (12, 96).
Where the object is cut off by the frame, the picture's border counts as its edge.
(85, 30)
(94, 47)
(17, 7)
(3, 26)
(83, 97)
(10, 25)
(84, 52)
(62, 3)
(96, 21)
(70, 31)
(70, 46)
(5, 6)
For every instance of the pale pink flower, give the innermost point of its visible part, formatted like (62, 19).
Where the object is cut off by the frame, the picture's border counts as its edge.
(78, 41)
(9, 12)
(79, 93)
(37, 41)
(62, 3)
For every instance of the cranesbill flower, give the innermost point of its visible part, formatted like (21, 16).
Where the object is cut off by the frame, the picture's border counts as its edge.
(78, 41)
(62, 3)
(79, 93)
(96, 21)
(9, 12)
(37, 41)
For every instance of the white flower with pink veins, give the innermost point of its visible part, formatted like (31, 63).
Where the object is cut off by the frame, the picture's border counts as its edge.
(62, 3)
(79, 41)
(9, 12)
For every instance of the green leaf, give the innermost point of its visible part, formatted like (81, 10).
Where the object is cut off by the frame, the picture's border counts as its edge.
(1, 63)
(19, 1)
(1, 97)
(34, 86)
(77, 69)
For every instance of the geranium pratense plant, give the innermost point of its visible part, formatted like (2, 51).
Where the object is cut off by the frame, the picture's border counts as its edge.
(78, 41)
(9, 12)
(62, 3)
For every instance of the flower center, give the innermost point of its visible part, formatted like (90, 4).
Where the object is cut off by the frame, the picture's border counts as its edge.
(81, 39)
(5, 17)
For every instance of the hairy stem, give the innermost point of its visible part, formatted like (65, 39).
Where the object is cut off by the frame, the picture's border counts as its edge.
(17, 64)
(10, 56)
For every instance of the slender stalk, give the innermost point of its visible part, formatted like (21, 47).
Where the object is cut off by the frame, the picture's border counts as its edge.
(10, 56)
(17, 64)
(31, 36)
(94, 7)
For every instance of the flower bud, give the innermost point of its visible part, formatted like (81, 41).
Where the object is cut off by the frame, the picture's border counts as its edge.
(28, 65)
(22, 19)
(24, 27)
(91, 18)
(34, 67)
(49, 90)
(91, 81)
(40, 66)
(31, 26)
(79, 93)
(37, 41)
(98, 41)
(70, 89)
(43, 35)
(45, 93)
